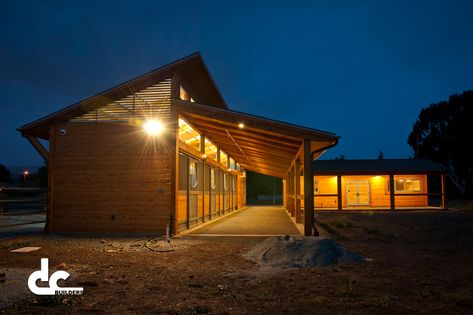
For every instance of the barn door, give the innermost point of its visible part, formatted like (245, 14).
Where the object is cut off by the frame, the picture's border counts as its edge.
(195, 191)
(358, 193)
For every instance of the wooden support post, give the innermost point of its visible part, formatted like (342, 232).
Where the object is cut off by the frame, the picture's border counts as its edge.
(308, 192)
(391, 192)
(444, 192)
(39, 147)
(339, 192)
(204, 175)
(174, 155)
(297, 199)
(290, 179)
(294, 176)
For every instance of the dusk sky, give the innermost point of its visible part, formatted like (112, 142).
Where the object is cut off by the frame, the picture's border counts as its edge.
(360, 69)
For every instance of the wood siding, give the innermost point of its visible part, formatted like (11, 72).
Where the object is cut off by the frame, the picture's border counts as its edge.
(379, 197)
(109, 177)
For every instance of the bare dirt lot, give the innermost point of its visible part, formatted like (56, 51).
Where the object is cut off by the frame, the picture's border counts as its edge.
(422, 263)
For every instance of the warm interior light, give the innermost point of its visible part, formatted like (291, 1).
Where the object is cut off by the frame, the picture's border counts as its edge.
(153, 127)
(26, 173)
(241, 125)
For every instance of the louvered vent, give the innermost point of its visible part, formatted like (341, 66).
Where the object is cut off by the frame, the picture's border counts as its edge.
(152, 102)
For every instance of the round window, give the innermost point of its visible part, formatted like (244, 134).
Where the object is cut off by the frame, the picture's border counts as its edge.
(193, 174)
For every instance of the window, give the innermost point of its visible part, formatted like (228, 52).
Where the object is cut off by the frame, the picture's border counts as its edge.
(225, 184)
(223, 158)
(212, 179)
(406, 185)
(183, 95)
(210, 150)
(193, 174)
(232, 164)
(316, 186)
(189, 135)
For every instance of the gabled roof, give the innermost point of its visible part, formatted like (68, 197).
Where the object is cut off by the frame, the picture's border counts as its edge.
(190, 69)
(377, 167)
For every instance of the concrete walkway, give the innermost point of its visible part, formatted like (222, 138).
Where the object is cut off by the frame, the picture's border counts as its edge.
(254, 220)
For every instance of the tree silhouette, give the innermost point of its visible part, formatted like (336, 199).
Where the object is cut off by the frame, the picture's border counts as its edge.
(5, 175)
(380, 155)
(443, 133)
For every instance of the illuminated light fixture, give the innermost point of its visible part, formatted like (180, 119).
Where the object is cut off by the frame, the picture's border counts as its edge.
(204, 156)
(153, 127)
(241, 125)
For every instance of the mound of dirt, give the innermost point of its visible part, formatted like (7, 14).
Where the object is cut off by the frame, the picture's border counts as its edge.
(300, 252)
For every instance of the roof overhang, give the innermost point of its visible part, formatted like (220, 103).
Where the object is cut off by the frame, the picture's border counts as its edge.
(263, 145)
(189, 69)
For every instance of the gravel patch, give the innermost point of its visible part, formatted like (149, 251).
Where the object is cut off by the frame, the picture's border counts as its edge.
(300, 252)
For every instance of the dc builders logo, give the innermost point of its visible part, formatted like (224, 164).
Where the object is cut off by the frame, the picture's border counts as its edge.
(53, 288)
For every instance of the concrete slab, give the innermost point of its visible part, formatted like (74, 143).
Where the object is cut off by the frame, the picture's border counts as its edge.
(25, 249)
(253, 220)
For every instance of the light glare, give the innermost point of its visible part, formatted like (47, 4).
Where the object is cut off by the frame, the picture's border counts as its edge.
(153, 127)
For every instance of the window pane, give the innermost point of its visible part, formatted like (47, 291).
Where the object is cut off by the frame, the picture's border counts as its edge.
(399, 185)
(189, 135)
(212, 179)
(210, 150)
(223, 158)
(193, 174)
(416, 185)
(408, 185)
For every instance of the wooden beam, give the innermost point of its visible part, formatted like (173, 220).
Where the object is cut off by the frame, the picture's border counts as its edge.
(244, 135)
(444, 191)
(174, 157)
(391, 192)
(308, 192)
(339, 192)
(39, 147)
(297, 177)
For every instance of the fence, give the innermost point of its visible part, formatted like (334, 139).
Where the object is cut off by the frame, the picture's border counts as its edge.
(21, 206)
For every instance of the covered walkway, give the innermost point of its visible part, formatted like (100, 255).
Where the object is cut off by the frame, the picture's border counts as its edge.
(254, 220)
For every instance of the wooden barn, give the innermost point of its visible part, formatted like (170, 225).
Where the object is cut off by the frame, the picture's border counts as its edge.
(366, 184)
(163, 150)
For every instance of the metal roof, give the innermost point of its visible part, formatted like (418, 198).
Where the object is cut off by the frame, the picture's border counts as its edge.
(384, 166)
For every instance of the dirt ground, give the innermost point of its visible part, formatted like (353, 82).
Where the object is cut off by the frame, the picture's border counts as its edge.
(422, 263)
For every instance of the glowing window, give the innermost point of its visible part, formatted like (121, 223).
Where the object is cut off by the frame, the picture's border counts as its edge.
(406, 185)
(183, 95)
(193, 174)
(225, 184)
(210, 150)
(212, 179)
(232, 164)
(223, 158)
(189, 135)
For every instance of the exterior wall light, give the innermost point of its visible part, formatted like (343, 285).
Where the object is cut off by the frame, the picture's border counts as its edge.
(153, 127)
(241, 125)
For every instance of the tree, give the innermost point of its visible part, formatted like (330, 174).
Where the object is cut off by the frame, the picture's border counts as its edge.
(443, 133)
(5, 175)
(341, 157)
(380, 155)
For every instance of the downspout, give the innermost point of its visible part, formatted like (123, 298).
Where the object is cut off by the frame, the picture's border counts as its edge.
(316, 232)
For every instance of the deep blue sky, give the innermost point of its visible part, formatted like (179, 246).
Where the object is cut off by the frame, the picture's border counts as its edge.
(361, 69)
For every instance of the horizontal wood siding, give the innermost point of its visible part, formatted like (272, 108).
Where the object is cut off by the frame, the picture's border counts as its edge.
(109, 177)
(379, 194)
